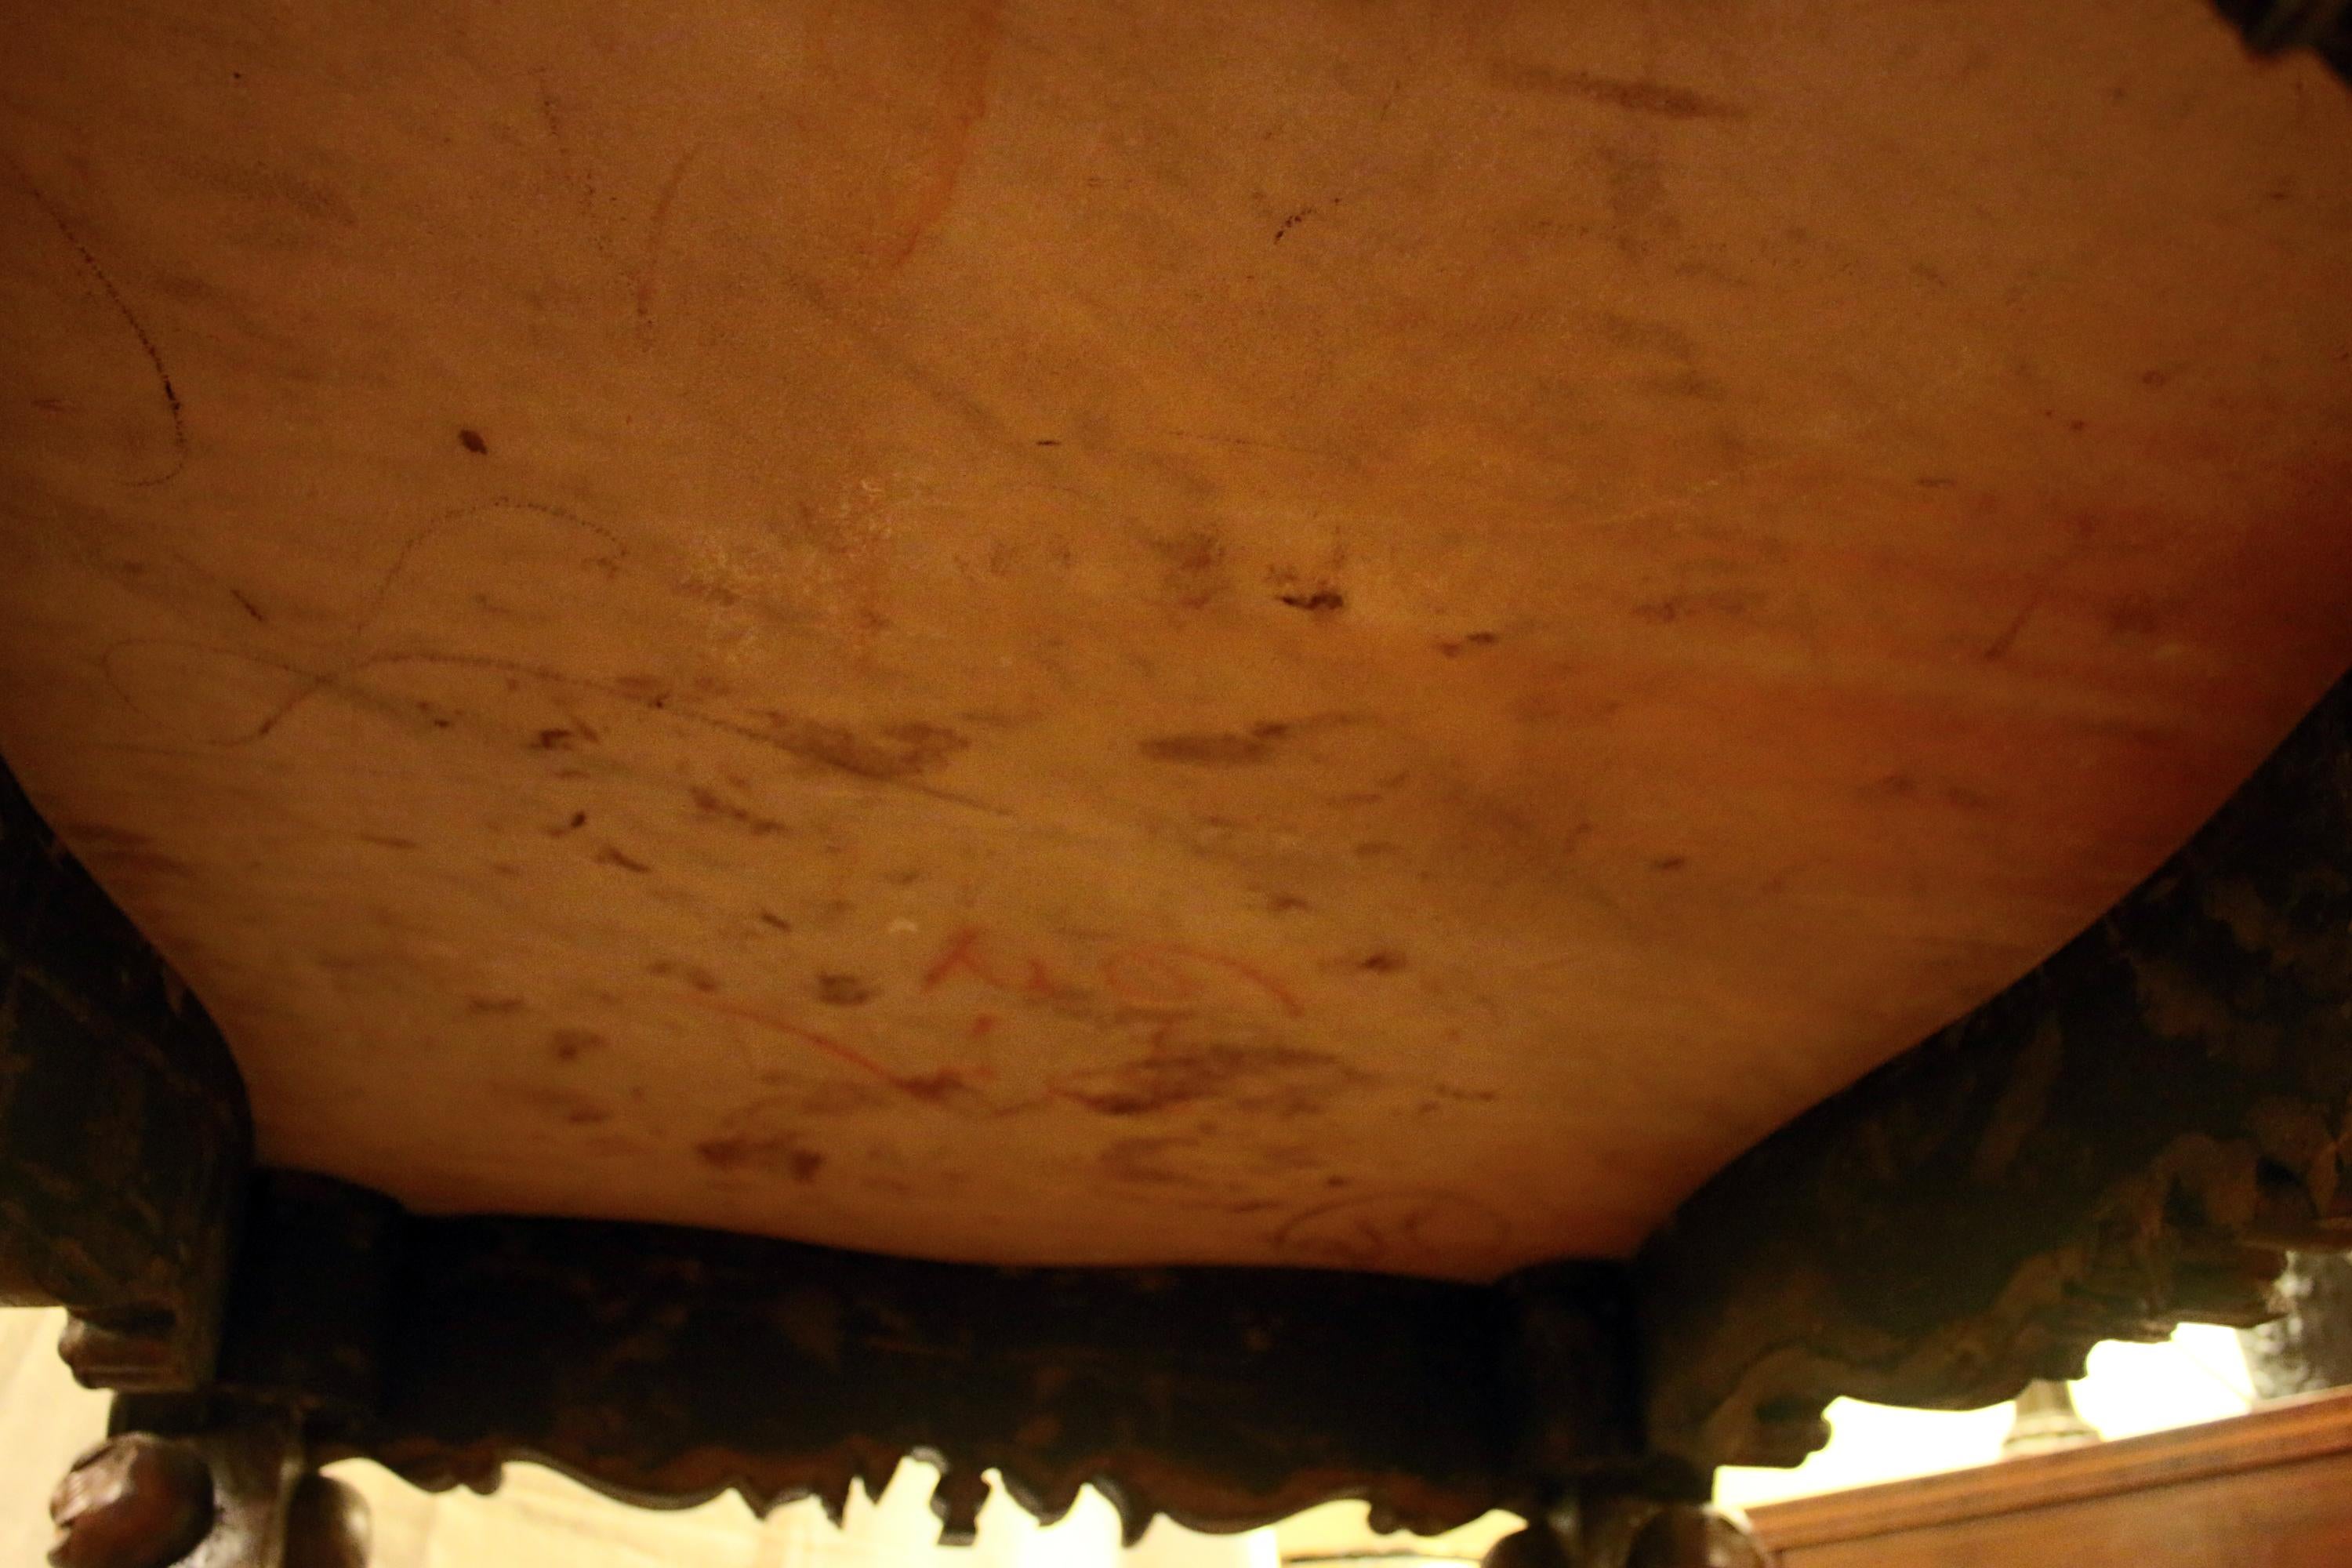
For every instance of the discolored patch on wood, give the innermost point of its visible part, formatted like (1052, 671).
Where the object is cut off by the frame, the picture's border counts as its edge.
(1210, 751)
(768, 1155)
(899, 750)
(1662, 100)
(843, 990)
(1266, 1079)
(1258, 743)
(567, 1107)
(569, 1045)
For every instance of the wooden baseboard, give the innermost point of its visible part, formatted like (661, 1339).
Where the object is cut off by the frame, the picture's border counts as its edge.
(2271, 1489)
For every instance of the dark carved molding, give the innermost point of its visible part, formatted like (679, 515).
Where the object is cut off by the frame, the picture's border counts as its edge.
(663, 1365)
(2120, 1142)
(123, 1134)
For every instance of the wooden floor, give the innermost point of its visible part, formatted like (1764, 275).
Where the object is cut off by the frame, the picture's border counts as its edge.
(2269, 1489)
(1365, 635)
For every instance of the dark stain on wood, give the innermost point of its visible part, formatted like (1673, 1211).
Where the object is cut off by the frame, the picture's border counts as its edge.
(568, 1046)
(842, 990)
(711, 805)
(1274, 1081)
(767, 1155)
(1219, 751)
(892, 752)
(1660, 100)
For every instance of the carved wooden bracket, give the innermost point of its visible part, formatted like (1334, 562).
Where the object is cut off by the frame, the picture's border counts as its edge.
(2121, 1142)
(125, 1139)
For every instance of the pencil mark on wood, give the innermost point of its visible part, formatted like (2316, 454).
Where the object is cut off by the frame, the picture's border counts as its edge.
(176, 685)
(131, 319)
(1999, 648)
(450, 520)
(890, 755)
(2039, 593)
(1397, 1228)
(575, 171)
(657, 232)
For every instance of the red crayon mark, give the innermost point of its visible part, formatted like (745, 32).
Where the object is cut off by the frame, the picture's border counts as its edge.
(1164, 959)
(963, 954)
(931, 1086)
(957, 956)
(845, 1054)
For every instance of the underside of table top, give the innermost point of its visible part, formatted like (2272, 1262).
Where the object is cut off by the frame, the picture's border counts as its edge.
(1242, 634)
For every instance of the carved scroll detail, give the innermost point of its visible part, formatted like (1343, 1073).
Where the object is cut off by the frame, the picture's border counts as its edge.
(2120, 1142)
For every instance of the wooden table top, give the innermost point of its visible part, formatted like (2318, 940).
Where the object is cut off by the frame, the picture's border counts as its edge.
(1362, 635)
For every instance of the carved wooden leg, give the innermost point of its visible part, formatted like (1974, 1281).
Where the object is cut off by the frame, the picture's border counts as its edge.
(232, 1490)
(134, 1502)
